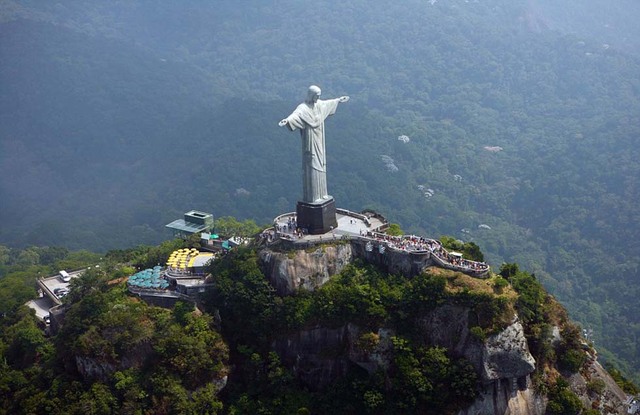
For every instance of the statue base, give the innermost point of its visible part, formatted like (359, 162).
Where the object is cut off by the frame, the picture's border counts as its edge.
(317, 218)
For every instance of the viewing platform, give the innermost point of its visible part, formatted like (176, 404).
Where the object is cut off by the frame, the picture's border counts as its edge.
(350, 224)
(367, 229)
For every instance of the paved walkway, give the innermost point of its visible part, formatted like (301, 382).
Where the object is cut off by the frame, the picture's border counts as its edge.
(349, 224)
(356, 225)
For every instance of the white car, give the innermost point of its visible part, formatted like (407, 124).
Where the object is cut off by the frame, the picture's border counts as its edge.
(64, 276)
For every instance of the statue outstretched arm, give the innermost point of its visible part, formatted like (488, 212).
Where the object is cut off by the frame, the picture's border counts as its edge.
(283, 123)
(343, 98)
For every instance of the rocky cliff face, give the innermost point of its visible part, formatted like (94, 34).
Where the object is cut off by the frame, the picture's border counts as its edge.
(501, 356)
(507, 397)
(310, 268)
(91, 367)
(318, 356)
(610, 400)
(304, 269)
(503, 361)
(322, 355)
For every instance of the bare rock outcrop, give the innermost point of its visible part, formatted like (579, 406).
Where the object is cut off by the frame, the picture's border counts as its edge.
(608, 398)
(304, 269)
(322, 355)
(507, 397)
(506, 354)
(318, 356)
(101, 368)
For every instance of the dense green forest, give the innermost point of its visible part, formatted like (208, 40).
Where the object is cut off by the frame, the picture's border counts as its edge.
(114, 353)
(168, 360)
(522, 119)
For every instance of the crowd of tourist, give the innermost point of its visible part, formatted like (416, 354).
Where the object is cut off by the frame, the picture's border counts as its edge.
(412, 243)
(465, 263)
(285, 230)
(409, 243)
(289, 226)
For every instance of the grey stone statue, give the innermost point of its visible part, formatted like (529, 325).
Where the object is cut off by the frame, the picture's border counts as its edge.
(309, 118)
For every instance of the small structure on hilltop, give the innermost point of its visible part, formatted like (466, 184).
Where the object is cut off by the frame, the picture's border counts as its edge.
(183, 278)
(194, 221)
(210, 240)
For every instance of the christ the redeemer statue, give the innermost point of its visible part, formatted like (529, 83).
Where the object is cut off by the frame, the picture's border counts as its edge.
(309, 118)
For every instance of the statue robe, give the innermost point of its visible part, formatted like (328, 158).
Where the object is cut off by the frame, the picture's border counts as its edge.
(309, 119)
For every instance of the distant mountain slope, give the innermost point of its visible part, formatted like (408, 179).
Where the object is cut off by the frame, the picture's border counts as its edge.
(82, 120)
(610, 23)
(119, 117)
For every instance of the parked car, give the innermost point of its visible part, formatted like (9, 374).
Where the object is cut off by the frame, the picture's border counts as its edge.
(64, 276)
(61, 292)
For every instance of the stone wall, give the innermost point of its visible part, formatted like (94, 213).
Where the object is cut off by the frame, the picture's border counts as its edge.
(392, 261)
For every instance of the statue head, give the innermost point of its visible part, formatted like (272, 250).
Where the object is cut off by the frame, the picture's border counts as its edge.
(313, 94)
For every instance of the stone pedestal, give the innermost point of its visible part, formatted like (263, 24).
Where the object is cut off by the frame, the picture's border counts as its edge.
(317, 218)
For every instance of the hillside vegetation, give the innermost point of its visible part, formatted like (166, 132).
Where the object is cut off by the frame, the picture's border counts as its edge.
(115, 353)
